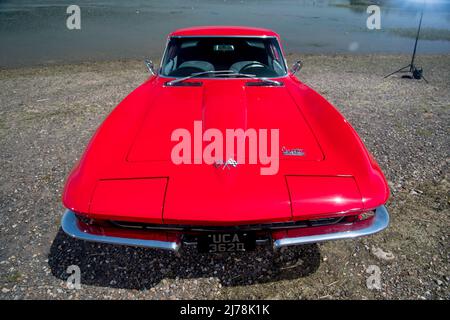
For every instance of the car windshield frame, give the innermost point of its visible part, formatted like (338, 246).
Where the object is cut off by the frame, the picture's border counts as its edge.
(278, 47)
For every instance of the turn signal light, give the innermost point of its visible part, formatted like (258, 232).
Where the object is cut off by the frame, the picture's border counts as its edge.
(365, 215)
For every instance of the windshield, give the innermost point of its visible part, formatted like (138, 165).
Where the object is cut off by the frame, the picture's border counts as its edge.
(260, 57)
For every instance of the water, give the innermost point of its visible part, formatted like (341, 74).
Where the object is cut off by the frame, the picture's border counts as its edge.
(34, 32)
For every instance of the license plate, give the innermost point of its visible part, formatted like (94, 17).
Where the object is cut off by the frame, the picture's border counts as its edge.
(227, 242)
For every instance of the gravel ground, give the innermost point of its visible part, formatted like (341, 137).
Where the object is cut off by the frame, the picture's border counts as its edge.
(48, 114)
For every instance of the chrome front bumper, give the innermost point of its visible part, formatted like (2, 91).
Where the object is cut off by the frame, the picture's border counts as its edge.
(70, 226)
(380, 222)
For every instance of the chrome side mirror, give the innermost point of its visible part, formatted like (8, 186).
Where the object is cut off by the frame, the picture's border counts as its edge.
(150, 66)
(296, 67)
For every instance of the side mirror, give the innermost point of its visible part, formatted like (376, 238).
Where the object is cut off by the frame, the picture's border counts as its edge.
(150, 66)
(296, 67)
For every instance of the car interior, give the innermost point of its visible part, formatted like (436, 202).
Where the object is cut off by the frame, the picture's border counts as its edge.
(260, 57)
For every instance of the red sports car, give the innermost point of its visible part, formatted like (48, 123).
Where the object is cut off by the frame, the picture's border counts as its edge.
(224, 148)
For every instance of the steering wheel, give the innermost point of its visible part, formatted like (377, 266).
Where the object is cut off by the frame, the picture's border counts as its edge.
(254, 64)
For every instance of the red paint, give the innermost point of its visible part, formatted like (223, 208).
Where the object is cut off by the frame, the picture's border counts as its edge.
(130, 199)
(223, 31)
(101, 230)
(312, 196)
(126, 172)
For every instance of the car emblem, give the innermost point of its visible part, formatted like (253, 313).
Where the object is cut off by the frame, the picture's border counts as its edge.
(226, 164)
(292, 152)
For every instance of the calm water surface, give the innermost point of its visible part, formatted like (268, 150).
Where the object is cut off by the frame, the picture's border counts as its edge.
(34, 32)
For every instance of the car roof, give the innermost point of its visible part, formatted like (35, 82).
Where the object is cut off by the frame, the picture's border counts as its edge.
(223, 31)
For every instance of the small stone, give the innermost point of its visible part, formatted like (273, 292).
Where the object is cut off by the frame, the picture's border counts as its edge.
(382, 255)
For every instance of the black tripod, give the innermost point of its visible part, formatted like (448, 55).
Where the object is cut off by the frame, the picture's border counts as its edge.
(417, 73)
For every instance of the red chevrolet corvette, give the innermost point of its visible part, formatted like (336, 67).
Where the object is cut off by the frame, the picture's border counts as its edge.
(224, 148)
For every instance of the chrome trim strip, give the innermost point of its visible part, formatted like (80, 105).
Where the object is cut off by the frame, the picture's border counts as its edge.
(70, 226)
(235, 228)
(380, 222)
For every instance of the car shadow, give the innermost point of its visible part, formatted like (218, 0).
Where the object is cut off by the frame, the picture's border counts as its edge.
(140, 268)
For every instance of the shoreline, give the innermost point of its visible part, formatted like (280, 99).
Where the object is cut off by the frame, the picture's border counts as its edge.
(289, 56)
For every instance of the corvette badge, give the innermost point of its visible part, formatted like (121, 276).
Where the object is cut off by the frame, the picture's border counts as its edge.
(292, 152)
(226, 164)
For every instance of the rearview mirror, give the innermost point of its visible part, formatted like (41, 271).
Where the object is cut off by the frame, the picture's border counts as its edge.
(150, 66)
(296, 66)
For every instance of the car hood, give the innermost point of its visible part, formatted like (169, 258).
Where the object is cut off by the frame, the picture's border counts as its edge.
(233, 106)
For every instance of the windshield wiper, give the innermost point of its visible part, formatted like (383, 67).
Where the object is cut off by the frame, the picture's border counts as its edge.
(224, 73)
(252, 76)
(193, 75)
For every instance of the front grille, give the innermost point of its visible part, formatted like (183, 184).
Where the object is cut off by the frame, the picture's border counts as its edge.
(245, 227)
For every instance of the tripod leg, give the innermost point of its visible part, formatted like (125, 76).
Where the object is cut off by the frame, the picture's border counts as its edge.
(399, 70)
